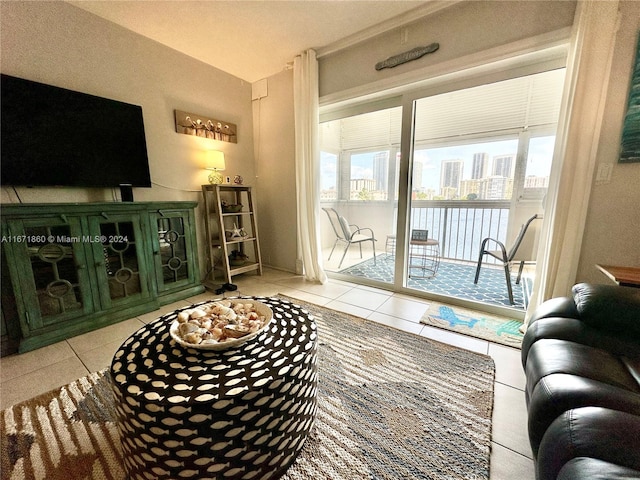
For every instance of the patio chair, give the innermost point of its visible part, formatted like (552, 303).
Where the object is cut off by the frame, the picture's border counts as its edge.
(507, 257)
(349, 234)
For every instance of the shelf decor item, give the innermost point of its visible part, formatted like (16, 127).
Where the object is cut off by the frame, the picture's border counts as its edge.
(226, 208)
(237, 258)
(236, 233)
(215, 162)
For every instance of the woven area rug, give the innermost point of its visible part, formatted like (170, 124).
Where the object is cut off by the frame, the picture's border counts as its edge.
(475, 324)
(391, 405)
(452, 279)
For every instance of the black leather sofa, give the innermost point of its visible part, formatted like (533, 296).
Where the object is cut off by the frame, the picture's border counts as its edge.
(581, 357)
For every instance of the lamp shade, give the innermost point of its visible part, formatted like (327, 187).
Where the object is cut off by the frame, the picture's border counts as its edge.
(215, 160)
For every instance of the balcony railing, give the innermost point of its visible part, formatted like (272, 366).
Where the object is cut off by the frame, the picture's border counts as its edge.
(460, 226)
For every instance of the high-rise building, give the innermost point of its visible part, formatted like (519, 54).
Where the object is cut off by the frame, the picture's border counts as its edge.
(381, 170)
(496, 188)
(503, 165)
(536, 182)
(469, 187)
(451, 174)
(480, 165)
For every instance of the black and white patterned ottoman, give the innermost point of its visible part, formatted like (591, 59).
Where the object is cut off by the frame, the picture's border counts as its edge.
(242, 413)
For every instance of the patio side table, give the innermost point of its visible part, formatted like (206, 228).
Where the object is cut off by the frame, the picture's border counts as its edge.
(424, 258)
(242, 413)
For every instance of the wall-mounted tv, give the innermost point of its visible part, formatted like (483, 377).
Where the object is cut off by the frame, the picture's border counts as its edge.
(52, 136)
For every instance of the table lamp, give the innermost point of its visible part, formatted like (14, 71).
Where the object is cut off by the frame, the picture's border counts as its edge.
(215, 162)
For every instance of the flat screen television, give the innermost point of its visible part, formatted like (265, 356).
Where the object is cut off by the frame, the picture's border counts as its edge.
(52, 136)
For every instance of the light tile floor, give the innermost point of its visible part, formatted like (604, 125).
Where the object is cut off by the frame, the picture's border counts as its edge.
(26, 375)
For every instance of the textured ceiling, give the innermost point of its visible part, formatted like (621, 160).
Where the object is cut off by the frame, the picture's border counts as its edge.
(254, 39)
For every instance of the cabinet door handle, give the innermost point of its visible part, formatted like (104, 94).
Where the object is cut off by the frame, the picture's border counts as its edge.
(161, 213)
(64, 218)
(81, 266)
(27, 318)
(104, 214)
(99, 264)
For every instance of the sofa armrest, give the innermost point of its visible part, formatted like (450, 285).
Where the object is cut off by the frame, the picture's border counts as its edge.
(609, 307)
(591, 432)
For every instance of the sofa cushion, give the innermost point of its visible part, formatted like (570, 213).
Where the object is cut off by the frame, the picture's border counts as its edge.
(547, 357)
(609, 307)
(574, 330)
(558, 393)
(583, 468)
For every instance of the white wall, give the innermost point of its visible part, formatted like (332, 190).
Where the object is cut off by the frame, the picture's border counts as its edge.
(612, 231)
(274, 136)
(59, 44)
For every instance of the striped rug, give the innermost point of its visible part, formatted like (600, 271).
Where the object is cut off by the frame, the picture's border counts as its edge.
(391, 405)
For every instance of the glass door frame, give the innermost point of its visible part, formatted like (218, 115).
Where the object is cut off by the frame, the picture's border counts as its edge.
(490, 73)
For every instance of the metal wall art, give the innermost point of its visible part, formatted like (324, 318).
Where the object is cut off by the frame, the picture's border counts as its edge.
(200, 126)
(409, 56)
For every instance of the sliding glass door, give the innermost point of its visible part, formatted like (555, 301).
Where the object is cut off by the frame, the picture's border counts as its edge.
(480, 166)
(360, 160)
(476, 166)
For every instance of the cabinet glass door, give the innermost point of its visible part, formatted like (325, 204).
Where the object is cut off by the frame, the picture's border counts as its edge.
(52, 273)
(172, 251)
(119, 256)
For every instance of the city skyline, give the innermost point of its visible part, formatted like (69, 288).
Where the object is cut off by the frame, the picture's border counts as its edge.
(428, 162)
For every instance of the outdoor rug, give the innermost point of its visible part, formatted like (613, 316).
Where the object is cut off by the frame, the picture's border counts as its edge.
(391, 405)
(452, 279)
(473, 323)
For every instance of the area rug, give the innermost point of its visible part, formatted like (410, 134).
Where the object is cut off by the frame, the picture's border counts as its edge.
(452, 279)
(475, 324)
(390, 405)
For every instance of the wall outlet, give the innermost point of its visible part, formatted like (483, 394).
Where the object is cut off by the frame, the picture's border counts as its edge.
(603, 175)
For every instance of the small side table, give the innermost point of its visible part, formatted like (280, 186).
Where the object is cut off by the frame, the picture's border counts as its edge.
(623, 276)
(424, 257)
(390, 247)
(241, 413)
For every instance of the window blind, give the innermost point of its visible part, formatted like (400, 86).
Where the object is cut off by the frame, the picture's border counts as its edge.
(516, 103)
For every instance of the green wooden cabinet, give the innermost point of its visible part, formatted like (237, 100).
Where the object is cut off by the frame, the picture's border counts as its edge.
(77, 267)
(174, 248)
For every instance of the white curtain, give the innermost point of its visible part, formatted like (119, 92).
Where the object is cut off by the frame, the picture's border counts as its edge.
(587, 81)
(305, 101)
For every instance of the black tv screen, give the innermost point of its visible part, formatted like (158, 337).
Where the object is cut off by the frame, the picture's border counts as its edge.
(52, 136)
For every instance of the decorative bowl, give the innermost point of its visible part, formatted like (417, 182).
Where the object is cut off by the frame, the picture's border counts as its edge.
(259, 307)
(231, 208)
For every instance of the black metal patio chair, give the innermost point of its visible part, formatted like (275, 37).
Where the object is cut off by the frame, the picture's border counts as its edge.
(507, 257)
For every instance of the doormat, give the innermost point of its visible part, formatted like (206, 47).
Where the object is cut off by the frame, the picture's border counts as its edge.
(475, 324)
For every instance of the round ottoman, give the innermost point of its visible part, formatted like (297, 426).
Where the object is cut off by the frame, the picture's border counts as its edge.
(242, 413)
